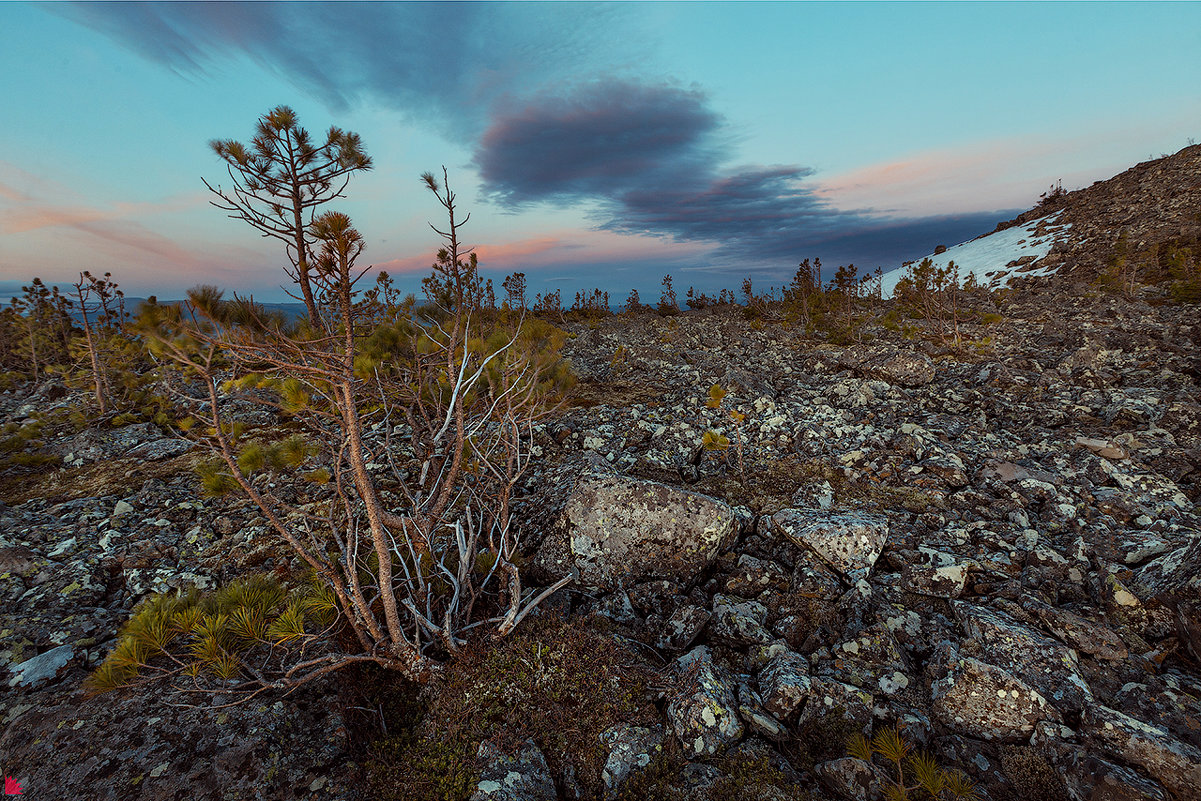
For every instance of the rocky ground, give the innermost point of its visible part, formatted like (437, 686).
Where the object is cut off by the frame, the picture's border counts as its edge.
(994, 547)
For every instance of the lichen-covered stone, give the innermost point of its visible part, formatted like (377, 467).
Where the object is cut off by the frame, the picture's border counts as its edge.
(909, 369)
(849, 542)
(738, 622)
(1176, 765)
(42, 668)
(520, 776)
(703, 709)
(630, 748)
(682, 627)
(622, 530)
(1088, 777)
(784, 683)
(1037, 660)
(983, 701)
(756, 716)
(1084, 635)
(827, 698)
(936, 573)
(852, 779)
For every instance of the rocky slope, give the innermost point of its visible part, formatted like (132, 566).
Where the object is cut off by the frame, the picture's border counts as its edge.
(995, 548)
(1072, 237)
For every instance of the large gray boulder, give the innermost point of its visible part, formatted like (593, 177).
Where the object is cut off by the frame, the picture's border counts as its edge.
(1041, 662)
(618, 530)
(1175, 764)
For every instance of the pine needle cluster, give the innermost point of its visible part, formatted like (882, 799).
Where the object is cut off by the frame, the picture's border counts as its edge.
(223, 634)
(917, 776)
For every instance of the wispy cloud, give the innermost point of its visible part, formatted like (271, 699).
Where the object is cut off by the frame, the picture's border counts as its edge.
(442, 62)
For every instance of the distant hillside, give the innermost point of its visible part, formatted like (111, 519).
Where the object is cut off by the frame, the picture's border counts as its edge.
(1071, 236)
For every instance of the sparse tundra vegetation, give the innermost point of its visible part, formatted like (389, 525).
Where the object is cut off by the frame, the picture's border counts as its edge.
(812, 541)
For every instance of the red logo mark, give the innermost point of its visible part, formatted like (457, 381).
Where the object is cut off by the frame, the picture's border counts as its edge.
(12, 786)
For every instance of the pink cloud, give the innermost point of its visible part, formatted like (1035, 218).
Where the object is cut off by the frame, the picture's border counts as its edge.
(562, 249)
(995, 174)
(980, 176)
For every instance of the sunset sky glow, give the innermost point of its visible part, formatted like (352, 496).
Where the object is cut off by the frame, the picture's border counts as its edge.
(594, 144)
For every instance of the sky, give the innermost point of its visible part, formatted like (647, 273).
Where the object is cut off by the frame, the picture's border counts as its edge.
(595, 145)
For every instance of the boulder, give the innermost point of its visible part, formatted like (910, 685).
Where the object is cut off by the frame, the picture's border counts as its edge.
(784, 683)
(983, 701)
(618, 530)
(737, 622)
(1174, 764)
(850, 542)
(908, 369)
(1037, 660)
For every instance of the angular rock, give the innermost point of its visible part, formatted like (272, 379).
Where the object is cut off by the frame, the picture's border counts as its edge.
(1037, 660)
(827, 698)
(756, 716)
(784, 683)
(42, 668)
(849, 542)
(935, 573)
(1175, 765)
(1087, 777)
(622, 530)
(908, 369)
(1080, 633)
(872, 660)
(521, 776)
(703, 709)
(630, 748)
(853, 779)
(737, 622)
(681, 628)
(984, 701)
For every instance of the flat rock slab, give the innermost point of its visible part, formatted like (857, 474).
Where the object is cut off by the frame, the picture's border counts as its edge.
(850, 542)
(623, 530)
(1084, 635)
(42, 668)
(983, 701)
(1039, 661)
(1174, 764)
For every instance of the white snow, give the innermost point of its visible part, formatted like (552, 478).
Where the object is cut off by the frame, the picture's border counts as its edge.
(987, 257)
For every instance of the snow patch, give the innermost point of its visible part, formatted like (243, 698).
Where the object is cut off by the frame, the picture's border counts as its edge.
(989, 257)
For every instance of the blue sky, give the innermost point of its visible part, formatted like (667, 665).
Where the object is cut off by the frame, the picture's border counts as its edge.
(595, 144)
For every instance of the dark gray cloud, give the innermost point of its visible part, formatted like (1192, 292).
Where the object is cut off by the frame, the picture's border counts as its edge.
(447, 63)
(600, 140)
(650, 159)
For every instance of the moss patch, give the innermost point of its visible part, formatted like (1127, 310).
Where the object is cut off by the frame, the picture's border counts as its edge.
(558, 682)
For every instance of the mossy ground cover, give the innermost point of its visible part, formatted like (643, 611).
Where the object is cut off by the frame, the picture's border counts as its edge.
(558, 682)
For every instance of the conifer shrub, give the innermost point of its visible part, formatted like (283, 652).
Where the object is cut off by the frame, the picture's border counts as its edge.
(914, 775)
(213, 639)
